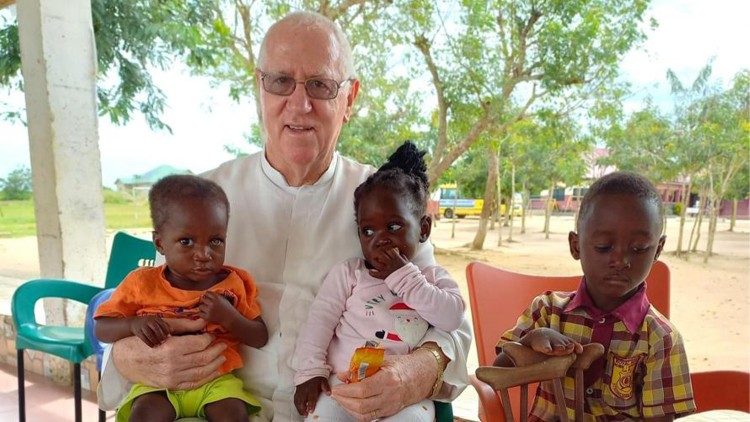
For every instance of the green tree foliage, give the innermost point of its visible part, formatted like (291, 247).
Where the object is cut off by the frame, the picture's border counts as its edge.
(17, 184)
(132, 37)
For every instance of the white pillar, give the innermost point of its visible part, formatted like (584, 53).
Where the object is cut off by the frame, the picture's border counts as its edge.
(58, 63)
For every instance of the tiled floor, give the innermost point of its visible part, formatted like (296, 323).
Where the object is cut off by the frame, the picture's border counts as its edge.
(45, 400)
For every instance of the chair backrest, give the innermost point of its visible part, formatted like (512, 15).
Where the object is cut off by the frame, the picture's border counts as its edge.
(715, 390)
(128, 253)
(498, 297)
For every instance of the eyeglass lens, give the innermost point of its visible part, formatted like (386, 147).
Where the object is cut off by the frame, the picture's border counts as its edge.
(323, 89)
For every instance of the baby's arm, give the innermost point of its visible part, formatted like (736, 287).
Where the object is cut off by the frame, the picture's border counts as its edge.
(215, 308)
(151, 329)
(432, 293)
(315, 335)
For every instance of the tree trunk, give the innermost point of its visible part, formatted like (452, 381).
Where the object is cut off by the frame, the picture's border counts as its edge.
(698, 223)
(685, 202)
(713, 203)
(499, 188)
(512, 201)
(548, 209)
(495, 218)
(489, 196)
(524, 204)
(733, 221)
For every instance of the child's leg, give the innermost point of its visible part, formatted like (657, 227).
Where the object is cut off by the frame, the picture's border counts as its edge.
(152, 407)
(328, 409)
(423, 411)
(226, 410)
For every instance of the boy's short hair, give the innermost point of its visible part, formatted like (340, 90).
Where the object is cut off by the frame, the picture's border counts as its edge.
(620, 183)
(178, 187)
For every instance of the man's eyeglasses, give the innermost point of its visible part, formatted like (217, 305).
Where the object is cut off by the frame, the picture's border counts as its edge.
(317, 88)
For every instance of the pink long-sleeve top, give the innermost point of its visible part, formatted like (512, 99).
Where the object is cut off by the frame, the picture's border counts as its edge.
(353, 307)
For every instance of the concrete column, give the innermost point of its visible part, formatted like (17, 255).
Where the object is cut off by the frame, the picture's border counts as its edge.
(58, 63)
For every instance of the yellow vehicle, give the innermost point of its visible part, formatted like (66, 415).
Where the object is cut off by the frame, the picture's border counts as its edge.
(452, 202)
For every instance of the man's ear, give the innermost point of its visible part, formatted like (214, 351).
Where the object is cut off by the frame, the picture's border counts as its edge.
(660, 246)
(575, 247)
(157, 241)
(353, 91)
(425, 228)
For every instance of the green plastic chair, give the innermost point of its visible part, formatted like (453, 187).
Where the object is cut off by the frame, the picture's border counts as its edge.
(443, 412)
(70, 343)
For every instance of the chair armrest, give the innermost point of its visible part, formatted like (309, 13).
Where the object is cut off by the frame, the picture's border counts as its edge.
(26, 296)
(490, 408)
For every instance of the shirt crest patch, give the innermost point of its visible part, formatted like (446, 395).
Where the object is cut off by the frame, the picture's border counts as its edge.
(623, 372)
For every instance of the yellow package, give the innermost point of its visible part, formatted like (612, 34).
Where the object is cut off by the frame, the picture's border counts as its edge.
(365, 362)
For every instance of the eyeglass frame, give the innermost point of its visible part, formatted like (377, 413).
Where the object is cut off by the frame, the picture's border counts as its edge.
(264, 74)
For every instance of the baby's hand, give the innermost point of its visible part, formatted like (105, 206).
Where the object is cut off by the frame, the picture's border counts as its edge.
(306, 394)
(387, 262)
(216, 308)
(550, 342)
(151, 329)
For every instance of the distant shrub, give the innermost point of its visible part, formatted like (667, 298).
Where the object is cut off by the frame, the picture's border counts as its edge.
(677, 208)
(113, 197)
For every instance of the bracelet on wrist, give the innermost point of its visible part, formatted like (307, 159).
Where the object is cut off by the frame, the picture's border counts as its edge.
(441, 364)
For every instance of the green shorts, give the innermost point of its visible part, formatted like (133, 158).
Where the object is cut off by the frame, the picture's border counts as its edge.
(191, 403)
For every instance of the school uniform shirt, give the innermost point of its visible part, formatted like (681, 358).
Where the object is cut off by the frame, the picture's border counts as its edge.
(353, 307)
(643, 372)
(289, 237)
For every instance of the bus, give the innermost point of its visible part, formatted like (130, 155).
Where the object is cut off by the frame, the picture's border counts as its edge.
(453, 203)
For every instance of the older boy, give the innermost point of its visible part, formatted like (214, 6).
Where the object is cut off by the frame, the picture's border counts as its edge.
(643, 373)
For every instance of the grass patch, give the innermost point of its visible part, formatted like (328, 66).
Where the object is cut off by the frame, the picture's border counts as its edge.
(17, 217)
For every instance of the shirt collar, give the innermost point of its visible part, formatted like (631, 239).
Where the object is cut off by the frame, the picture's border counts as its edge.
(278, 179)
(631, 313)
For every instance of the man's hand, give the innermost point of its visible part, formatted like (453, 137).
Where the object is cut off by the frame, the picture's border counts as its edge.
(402, 381)
(550, 342)
(179, 326)
(386, 262)
(151, 329)
(216, 308)
(181, 362)
(306, 394)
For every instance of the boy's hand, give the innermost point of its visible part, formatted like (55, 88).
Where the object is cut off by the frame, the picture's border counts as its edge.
(306, 394)
(151, 329)
(550, 342)
(217, 309)
(386, 262)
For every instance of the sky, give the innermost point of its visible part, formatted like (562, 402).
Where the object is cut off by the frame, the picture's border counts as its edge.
(204, 119)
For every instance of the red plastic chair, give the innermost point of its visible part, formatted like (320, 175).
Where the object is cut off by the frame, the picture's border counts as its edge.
(498, 297)
(715, 390)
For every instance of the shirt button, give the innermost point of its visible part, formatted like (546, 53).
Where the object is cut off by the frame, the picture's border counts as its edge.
(589, 391)
(603, 320)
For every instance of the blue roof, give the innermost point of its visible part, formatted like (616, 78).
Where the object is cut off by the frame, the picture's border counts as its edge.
(151, 176)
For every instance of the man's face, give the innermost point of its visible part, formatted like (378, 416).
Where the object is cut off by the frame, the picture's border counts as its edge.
(617, 243)
(301, 131)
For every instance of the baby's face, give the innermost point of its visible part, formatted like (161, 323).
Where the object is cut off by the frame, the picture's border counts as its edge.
(193, 241)
(617, 243)
(385, 220)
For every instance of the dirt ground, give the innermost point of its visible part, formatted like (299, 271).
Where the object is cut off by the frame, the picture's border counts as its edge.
(710, 302)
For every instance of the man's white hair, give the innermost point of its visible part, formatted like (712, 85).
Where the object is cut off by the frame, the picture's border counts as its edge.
(313, 19)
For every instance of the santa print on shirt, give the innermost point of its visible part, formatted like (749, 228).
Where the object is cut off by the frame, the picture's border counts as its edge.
(410, 327)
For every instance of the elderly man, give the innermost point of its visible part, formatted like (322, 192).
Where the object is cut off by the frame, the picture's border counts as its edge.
(292, 220)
